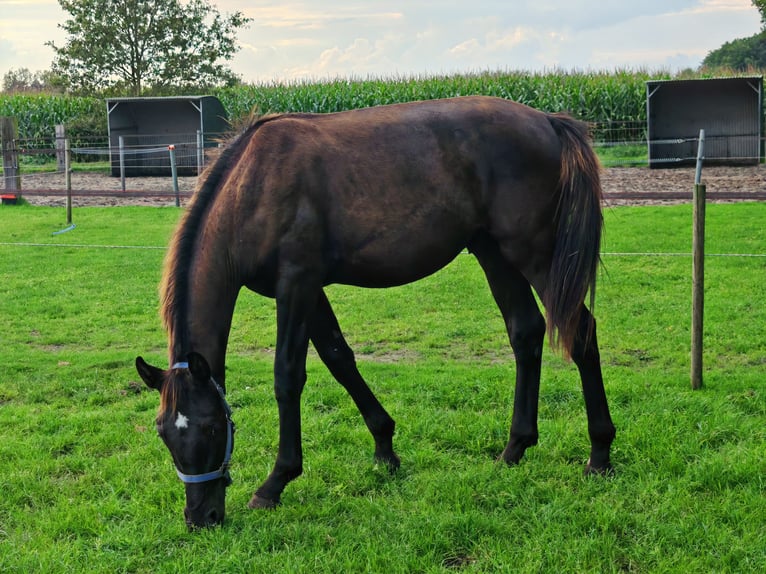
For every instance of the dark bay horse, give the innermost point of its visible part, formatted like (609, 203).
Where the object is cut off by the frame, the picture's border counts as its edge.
(375, 198)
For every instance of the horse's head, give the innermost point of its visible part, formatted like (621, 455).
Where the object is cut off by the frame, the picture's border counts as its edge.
(194, 421)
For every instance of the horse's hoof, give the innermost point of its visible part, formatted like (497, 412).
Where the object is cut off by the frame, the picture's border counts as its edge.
(264, 503)
(390, 462)
(508, 461)
(511, 455)
(604, 470)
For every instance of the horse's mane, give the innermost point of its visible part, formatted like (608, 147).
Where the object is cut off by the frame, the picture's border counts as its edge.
(174, 287)
(170, 394)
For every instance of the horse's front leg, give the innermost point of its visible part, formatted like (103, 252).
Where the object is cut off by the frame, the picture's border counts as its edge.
(295, 303)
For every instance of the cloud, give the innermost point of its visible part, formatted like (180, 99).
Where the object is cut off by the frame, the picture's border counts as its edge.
(299, 17)
(362, 57)
(27, 3)
(719, 6)
(512, 38)
(579, 34)
(295, 42)
(7, 51)
(291, 39)
(467, 47)
(676, 39)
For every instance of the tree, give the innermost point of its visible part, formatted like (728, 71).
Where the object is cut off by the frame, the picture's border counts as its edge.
(134, 45)
(742, 54)
(22, 80)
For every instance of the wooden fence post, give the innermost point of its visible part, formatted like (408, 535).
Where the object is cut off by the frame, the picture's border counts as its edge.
(60, 152)
(8, 135)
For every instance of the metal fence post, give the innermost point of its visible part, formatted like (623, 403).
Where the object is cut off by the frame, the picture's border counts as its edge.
(698, 269)
(122, 162)
(68, 179)
(174, 172)
(200, 151)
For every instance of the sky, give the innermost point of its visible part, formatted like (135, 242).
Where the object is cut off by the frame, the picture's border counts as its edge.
(329, 39)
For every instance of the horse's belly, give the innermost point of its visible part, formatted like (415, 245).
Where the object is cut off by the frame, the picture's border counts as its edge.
(394, 265)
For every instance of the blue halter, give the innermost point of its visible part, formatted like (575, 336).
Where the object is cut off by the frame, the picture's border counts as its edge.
(223, 470)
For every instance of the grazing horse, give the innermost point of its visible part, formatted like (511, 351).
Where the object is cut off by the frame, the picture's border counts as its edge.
(376, 198)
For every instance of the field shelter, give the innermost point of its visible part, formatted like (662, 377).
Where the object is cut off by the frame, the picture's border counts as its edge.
(730, 110)
(141, 129)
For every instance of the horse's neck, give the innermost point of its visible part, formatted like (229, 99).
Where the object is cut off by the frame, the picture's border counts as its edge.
(211, 298)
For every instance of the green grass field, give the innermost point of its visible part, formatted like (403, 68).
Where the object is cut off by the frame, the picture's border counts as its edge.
(87, 486)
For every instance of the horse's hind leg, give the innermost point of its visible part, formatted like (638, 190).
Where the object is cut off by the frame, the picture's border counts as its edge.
(526, 330)
(585, 354)
(328, 340)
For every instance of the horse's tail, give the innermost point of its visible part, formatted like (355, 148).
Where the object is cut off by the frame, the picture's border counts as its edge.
(576, 255)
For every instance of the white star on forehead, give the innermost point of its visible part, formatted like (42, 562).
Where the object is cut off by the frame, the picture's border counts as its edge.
(182, 421)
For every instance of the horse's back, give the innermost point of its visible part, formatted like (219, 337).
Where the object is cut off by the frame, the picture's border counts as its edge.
(389, 194)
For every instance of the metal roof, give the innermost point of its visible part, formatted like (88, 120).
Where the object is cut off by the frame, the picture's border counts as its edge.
(157, 98)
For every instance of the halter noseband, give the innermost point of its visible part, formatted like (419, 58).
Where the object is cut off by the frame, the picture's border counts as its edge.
(223, 470)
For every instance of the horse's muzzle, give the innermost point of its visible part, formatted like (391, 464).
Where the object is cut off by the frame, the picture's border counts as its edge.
(209, 518)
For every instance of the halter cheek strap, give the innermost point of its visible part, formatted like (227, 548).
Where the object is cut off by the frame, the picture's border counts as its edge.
(223, 470)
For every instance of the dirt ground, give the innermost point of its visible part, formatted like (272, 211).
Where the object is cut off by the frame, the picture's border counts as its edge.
(641, 185)
(636, 185)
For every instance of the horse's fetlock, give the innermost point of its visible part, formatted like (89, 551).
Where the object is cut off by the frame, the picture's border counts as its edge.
(290, 471)
(295, 472)
(516, 447)
(603, 435)
(382, 426)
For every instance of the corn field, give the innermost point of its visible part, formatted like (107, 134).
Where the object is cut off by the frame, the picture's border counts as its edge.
(38, 114)
(617, 96)
(614, 101)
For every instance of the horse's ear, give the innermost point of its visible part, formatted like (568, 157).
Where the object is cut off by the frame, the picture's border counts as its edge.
(199, 367)
(152, 376)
